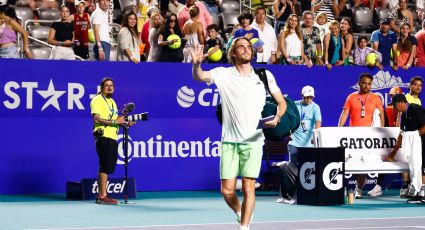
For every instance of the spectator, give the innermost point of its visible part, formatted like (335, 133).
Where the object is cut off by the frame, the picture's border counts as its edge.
(311, 39)
(323, 25)
(332, 8)
(281, 11)
(170, 27)
(204, 16)
(8, 39)
(128, 39)
(385, 41)
(266, 34)
(232, 35)
(391, 4)
(100, 23)
(213, 6)
(311, 118)
(174, 6)
(347, 36)
(291, 45)
(420, 47)
(81, 23)
(371, 4)
(400, 16)
(247, 31)
(213, 42)
(144, 35)
(406, 47)
(420, 4)
(415, 87)
(61, 35)
(362, 51)
(360, 106)
(334, 46)
(156, 23)
(193, 32)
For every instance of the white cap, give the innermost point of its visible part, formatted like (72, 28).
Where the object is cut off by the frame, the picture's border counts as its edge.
(77, 2)
(307, 91)
(3, 2)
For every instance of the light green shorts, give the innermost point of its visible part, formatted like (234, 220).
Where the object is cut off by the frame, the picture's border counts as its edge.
(240, 160)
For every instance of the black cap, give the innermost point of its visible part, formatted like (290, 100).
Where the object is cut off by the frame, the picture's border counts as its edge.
(385, 21)
(398, 98)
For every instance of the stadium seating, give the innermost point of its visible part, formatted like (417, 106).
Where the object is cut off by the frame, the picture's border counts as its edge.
(363, 20)
(39, 32)
(230, 6)
(41, 52)
(24, 14)
(49, 14)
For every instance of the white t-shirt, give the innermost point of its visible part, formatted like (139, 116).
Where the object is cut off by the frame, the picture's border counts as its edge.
(268, 36)
(242, 100)
(100, 17)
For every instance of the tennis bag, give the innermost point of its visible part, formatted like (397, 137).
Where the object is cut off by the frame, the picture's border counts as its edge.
(289, 122)
(288, 174)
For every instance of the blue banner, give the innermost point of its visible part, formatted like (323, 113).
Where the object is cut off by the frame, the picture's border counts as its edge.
(47, 135)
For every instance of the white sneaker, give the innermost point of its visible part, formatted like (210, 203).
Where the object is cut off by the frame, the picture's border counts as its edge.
(421, 193)
(411, 191)
(243, 227)
(358, 194)
(376, 191)
(404, 192)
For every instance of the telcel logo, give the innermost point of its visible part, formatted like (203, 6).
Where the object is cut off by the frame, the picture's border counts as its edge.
(110, 187)
(207, 97)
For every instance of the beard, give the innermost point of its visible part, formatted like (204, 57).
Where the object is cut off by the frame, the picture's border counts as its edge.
(109, 95)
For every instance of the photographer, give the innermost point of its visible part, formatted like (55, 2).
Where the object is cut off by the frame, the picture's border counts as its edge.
(106, 121)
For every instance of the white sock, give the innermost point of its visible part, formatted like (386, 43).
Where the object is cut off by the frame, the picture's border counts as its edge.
(239, 215)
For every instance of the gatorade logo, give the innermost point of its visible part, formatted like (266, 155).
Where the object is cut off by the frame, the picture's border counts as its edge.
(307, 176)
(332, 176)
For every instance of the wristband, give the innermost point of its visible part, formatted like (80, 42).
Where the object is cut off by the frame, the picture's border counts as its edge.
(326, 63)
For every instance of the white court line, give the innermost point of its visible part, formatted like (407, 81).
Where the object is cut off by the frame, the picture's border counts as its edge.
(397, 227)
(255, 222)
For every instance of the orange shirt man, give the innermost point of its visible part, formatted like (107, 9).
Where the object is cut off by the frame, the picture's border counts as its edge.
(361, 105)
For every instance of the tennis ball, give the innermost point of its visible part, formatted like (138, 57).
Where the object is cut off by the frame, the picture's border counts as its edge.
(91, 36)
(216, 56)
(176, 44)
(371, 59)
(253, 41)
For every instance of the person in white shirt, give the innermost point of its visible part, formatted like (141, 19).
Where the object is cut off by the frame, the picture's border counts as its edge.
(100, 23)
(242, 96)
(267, 35)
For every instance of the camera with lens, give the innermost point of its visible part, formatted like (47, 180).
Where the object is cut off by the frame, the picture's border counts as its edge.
(137, 117)
(98, 133)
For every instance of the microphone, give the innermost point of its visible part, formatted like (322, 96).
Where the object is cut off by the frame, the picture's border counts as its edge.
(128, 108)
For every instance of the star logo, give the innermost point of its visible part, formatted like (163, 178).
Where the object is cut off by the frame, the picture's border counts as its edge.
(53, 94)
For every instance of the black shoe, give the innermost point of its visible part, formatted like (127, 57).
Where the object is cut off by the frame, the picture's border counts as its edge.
(415, 200)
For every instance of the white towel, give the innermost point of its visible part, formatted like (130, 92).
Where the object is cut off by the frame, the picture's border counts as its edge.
(371, 157)
(412, 149)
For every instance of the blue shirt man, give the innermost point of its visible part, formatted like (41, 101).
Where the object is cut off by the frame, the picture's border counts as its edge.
(383, 40)
(311, 118)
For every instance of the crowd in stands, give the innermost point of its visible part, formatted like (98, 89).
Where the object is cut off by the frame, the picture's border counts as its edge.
(300, 33)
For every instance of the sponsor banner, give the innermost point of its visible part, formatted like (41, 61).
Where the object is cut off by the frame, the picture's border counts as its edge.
(116, 188)
(321, 176)
(359, 141)
(45, 112)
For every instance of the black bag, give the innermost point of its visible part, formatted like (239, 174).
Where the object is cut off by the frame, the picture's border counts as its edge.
(288, 174)
(289, 122)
